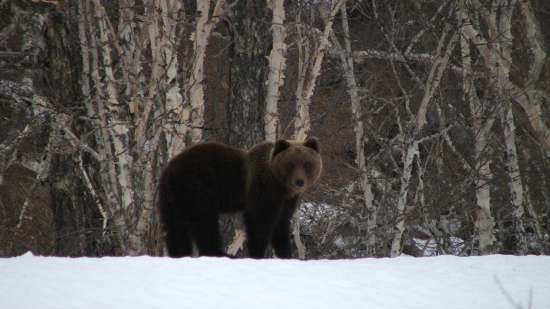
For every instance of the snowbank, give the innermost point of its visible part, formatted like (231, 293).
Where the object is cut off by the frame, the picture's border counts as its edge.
(146, 282)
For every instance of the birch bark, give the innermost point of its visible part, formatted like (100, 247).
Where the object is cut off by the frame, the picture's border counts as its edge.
(201, 36)
(413, 128)
(127, 168)
(277, 61)
(85, 78)
(116, 121)
(163, 80)
(496, 50)
(507, 118)
(245, 112)
(484, 221)
(515, 183)
(115, 118)
(250, 43)
(528, 97)
(169, 15)
(346, 59)
(302, 123)
(103, 137)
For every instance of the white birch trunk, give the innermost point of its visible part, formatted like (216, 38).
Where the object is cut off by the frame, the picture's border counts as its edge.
(302, 122)
(277, 61)
(200, 38)
(130, 53)
(411, 150)
(152, 32)
(169, 10)
(162, 38)
(143, 223)
(104, 140)
(195, 82)
(497, 55)
(95, 107)
(515, 183)
(358, 127)
(434, 77)
(534, 39)
(408, 158)
(529, 98)
(133, 35)
(115, 122)
(85, 77)
(303, 59)
(93, 193)
(484, 222)
(126, 196)
(304, 92)
(508, 123)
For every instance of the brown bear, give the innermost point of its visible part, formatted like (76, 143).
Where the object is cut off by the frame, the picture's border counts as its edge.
(265, 182)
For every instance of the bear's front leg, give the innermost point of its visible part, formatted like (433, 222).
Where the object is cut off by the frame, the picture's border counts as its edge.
(280, 241)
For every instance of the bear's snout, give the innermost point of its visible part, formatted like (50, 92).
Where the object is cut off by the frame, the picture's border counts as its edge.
(299, 183)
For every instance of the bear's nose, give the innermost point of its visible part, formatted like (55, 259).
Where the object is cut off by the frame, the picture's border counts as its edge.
(299, 183)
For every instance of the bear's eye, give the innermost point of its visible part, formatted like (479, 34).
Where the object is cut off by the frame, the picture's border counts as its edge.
(308, 166)
(289, 166)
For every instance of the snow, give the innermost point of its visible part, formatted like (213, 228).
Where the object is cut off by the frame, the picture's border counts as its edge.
(152, 282)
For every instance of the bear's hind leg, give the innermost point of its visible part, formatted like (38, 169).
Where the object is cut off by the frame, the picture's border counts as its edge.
(206, 233)
(178, 240)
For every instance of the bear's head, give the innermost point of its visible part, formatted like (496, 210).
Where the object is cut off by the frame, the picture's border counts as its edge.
(297, 165)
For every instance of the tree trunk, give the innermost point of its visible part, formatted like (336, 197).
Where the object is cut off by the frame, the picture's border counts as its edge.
(249, 50)
(484, 221)
(201, 36)
(529, 97)
(412, 130)
(360, 141)
(504, 49)
(277, 61)
(127, 139)
(245, 112)
(306, 87)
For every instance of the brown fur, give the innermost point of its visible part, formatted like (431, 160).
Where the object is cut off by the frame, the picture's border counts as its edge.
(265, 182)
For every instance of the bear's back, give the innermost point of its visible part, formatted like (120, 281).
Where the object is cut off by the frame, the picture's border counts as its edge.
(214, 172)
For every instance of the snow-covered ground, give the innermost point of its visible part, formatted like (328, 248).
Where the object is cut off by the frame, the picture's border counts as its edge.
(443, 282)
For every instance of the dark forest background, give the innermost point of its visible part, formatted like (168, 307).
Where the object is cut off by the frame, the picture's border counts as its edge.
(434, 117)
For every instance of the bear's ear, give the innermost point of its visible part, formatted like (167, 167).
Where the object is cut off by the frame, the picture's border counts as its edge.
(280, 145)
(313, 143)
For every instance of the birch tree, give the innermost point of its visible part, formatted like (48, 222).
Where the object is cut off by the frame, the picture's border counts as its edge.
(411, 129)
(484, 222)
(162, 37)
(504, 48)
(308, 75)
(528, 96)
(246, 101)
(497, 56)
(249, 48)
(346, 59)
(204, 27)
(129, 177)
(277, 63)
(442, 148)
